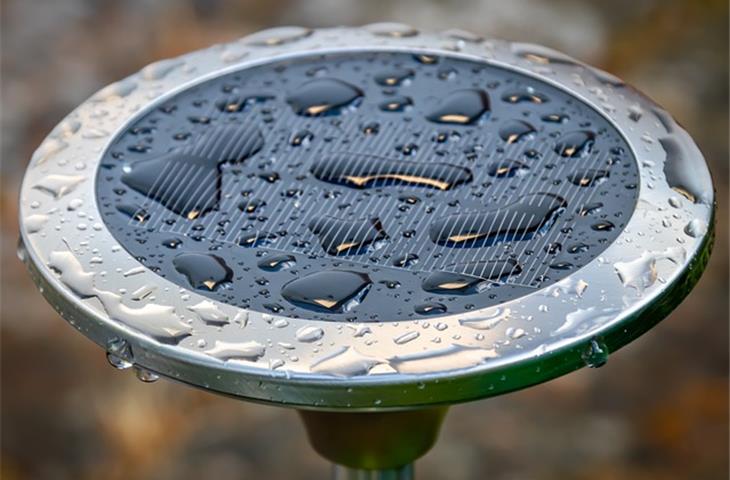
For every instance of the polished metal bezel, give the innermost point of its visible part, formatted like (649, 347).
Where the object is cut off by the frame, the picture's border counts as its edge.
(668, 238)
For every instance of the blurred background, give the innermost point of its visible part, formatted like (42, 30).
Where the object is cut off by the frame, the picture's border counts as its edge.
(657, 410)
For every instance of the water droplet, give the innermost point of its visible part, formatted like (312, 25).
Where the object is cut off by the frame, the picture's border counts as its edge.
(203, 271)
(362, 172)
(345, 362)
(302, 138)
(391, 29)
(588, 177)
(199, 167)
(454, 357)
(119, 354)
(525, 95)
(145, 375)
(35, 223)
(343, 237)
(59, 185)
(160, 69)
(506, 168)
(277, 36)
(406, 337)
(595, 355)
(488, 320)
(209, 313)
(575, 144)
(249, 350)
(276, 263)
(324, 96)
(641, 273)
(309, 334)
(473, 229)
(333, 291)
(396, 104)
(431, 308)
(695, 228)
(462, 107)
(47, 149)
(515, 130)
(394, 78)
(406, 260)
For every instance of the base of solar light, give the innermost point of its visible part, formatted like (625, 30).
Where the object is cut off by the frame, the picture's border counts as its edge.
(373, 445)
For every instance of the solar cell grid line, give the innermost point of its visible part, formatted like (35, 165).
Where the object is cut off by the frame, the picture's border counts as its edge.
(288, 206)
(445, 248)
(364, 165)
(576, 200)
(503, 191)
(323, 151)
(589, 192)
(531, 188)
(189, 146)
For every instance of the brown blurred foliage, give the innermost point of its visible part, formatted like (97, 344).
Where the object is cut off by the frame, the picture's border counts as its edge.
(658, 410)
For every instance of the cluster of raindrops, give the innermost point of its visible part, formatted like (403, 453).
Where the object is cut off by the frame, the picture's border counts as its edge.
(366, 187)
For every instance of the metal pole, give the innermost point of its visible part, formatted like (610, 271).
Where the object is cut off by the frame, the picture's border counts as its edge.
(340, 472)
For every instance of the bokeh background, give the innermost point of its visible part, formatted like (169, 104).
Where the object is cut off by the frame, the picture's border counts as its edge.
(657, 410)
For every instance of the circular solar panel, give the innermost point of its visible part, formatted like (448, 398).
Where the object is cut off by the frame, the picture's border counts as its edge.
(366, 218)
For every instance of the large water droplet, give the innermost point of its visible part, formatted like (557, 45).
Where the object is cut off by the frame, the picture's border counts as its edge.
(363, 172)
(535, 213)
(203, 271)
(344, 237)
(462, 107)
(333, 291)
(324, 96)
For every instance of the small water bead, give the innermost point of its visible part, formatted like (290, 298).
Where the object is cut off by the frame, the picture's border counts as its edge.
(371, 128)
(119, 354)
(394, 78)
(309, 334)
(575, 144)
(277, 263)
(172, 243)
(506, 168)
(391, 29)
(255, 239)
(405, 260)
(136, 213)
(145, 375)
(588, 177)
(324, 96)
(463, 107)
(301, 138)
(515, 130)
(590, 208)
(277, 36)
(528, 95)
(555, 118)
(603, 226)
(343, 237)
(396, 104)
(695, 228)
(426, 59)
(432, 308)
(251, 206)
(406, 337)
(595, 355)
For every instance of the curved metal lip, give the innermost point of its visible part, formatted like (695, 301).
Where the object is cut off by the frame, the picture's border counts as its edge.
(467, 363)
